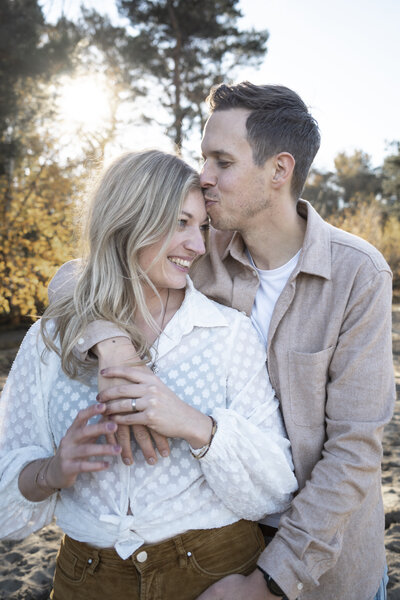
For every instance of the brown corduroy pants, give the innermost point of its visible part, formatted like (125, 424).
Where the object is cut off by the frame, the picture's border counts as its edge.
(177, 569)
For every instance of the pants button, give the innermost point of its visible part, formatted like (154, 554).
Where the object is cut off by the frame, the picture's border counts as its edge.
(142, 556)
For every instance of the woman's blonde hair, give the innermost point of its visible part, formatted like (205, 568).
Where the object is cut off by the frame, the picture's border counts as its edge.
(135, 203)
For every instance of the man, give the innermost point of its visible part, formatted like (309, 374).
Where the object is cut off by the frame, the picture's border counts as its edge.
(321, 300)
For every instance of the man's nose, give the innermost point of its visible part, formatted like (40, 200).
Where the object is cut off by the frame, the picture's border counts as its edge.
(207, 176)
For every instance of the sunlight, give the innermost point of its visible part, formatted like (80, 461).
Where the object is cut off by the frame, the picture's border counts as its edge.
(84, 103)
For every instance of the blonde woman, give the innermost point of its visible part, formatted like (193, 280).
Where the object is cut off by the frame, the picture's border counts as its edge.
(169, 530)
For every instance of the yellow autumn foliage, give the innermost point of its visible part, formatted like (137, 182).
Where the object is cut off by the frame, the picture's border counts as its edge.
(36, 235)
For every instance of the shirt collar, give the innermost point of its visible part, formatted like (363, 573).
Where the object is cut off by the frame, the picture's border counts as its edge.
(315, 256)
(196, 310)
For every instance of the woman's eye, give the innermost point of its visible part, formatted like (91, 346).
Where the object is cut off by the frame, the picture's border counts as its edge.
(205, 227)
(182, 223)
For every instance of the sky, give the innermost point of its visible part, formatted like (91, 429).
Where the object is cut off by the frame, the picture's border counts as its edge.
(341, 57)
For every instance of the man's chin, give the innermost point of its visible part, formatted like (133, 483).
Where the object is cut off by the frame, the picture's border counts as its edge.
(220, 224)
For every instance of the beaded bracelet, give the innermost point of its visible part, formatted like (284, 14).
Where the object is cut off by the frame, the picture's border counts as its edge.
(203, 451)
(41, 477)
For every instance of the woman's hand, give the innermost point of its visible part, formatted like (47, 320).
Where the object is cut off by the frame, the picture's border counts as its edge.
(158, 407)
(120, 351)
(73, 456)
(78, 446)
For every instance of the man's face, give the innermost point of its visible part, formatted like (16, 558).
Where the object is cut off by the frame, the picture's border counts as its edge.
(235, 189)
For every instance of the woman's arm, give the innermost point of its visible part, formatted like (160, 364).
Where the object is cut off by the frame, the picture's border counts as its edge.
(249, 452)
(29, 471)
(113, 347)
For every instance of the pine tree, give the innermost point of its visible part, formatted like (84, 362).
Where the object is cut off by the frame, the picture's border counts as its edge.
(184, 47)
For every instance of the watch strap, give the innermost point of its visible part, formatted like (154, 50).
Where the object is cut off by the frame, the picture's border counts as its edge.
(272, 586)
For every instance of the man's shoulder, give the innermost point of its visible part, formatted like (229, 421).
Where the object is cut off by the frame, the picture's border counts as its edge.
(355, 250)
(337, 245)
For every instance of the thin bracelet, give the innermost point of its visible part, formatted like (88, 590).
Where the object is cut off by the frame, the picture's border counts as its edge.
(205, 449)
(41, 477)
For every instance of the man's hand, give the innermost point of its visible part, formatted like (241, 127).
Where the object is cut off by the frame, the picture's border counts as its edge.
(120, 351)
(157, 406)
(239, 587)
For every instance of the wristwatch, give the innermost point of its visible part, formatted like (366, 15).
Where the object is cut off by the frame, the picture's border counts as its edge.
(272, 586)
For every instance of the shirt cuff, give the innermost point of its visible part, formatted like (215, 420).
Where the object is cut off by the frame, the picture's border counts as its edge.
(95, 332)
(286, 569)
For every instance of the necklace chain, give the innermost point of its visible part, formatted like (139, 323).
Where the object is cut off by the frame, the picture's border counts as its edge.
(154, 366)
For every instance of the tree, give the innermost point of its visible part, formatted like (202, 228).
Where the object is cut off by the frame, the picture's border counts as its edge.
(184, 47)
(322, 192)
(30, 51)
(391, 181)
(354, 174)
(36, 230)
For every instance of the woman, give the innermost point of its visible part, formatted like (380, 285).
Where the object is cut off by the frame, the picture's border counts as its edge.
(163, 531)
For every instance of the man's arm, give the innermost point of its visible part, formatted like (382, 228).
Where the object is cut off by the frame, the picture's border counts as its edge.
(63, 284)
(360, 396)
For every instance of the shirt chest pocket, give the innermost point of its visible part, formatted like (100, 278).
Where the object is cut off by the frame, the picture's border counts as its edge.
(308, 378)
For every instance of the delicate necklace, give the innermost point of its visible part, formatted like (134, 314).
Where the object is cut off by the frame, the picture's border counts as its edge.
(154, 365)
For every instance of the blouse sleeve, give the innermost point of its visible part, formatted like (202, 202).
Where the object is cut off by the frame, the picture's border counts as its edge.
(249, 464)
(24, 437)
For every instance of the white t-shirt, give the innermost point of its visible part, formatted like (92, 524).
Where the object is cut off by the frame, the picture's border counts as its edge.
(272, 283)
(211, 357)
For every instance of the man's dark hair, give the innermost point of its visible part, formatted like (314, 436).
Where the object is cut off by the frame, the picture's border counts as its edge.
(279, 122)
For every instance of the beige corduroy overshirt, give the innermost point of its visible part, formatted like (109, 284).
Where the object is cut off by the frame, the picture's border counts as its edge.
(330, 362)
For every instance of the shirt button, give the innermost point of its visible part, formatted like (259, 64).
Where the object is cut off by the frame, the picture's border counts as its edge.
(80, 341)
(142, 556)
(90, 560)
(300, 586)
(254, 274)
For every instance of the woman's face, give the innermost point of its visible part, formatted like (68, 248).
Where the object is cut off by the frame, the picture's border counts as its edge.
(186, 244)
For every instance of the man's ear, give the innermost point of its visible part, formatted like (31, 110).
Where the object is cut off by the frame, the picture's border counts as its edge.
(283, 169)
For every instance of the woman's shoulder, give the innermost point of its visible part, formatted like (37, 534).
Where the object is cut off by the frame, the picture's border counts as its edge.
(63, 282)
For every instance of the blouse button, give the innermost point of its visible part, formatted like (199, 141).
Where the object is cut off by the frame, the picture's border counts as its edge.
(80, 341)
(300, 586)
(142, 556)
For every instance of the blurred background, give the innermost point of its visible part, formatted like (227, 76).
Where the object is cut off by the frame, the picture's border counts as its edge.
(80, 82)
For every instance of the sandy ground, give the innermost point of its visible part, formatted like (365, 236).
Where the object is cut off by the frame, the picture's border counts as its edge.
(26, 567)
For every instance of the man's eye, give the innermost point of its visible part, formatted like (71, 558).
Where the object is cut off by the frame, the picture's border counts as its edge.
(223, 164)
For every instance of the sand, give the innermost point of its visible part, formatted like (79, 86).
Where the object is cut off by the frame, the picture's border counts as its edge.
(26, 567)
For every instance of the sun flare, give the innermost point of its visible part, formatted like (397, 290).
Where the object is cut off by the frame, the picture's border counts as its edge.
(84, 103)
